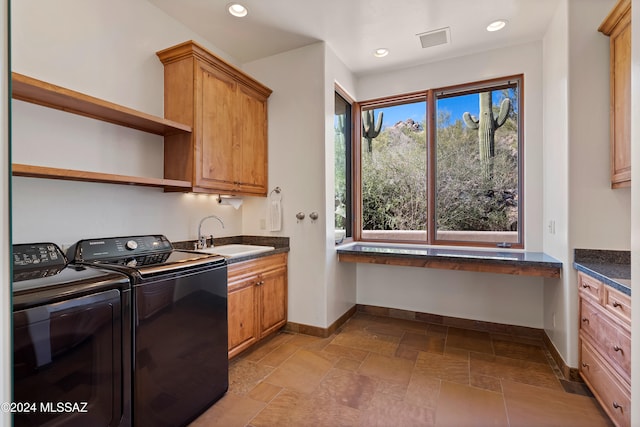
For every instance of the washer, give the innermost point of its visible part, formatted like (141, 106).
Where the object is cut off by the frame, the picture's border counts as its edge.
(179, 321)
(71, 341)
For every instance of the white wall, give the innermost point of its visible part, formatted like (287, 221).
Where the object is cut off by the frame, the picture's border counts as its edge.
(556, 177)
(107, 50)
(5, 231)
(297, 165)
(488, 297)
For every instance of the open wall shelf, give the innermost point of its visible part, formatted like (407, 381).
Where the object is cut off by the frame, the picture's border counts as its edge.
(48, 95)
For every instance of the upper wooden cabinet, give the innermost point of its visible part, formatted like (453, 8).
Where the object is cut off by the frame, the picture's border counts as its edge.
(617, 26)
(227, 151)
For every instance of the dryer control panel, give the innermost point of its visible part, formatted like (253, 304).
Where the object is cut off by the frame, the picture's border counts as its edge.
(37, 255)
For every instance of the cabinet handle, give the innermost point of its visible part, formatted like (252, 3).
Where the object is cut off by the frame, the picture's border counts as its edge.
(585, 319)
(585, 365)
(617, 406)
(584, 285)
(616, 348)
(617, 304)
(260, 283)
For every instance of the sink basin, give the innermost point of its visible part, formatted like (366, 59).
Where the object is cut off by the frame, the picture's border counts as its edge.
(236, 250)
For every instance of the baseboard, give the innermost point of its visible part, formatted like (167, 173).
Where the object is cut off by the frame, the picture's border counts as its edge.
(316, 331)
(571, 374)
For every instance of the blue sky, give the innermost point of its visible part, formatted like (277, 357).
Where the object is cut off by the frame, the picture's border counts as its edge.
(456, 105)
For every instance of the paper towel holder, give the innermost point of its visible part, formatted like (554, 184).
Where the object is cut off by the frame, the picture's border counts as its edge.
(236, 202)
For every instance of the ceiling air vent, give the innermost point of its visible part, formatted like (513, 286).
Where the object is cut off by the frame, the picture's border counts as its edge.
(435, 37)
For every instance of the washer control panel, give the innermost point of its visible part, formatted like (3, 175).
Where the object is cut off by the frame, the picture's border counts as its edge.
(118, 247)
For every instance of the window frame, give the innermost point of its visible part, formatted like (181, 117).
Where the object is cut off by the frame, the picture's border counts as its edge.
(353, 119)
(429, 95)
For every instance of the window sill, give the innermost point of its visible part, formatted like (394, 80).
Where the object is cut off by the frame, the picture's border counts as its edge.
(487, 261)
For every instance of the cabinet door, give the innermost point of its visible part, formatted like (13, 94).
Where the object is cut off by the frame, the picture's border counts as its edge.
(273, 300)
(251, 163)
(216, 114)
(243, 328)
(620, 51)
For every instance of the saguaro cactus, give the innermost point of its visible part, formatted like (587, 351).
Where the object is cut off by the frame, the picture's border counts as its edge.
(487, 125)
(369, 131)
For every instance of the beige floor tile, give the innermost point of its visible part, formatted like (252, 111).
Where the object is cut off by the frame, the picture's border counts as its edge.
(346, 388)
(244, 375)
(522, 371)
(519, 350)
(390, 412)
(391, 369)
(423, 390)
(348, 352)
(454, 368)
(466, 339)
(535, 406)
(348, 364)
(368, 341)
(267, 346)
(279, 355)
(290, 408)
(432, 342)
(230, 411)
(264, 392)
(302, 372)
(461, 406)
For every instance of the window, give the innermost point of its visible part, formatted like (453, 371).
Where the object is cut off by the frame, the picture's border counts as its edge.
(342, 144)
(443, 166)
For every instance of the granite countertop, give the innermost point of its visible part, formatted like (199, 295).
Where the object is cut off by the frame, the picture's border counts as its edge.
(280, 244)
(610, 267)
(534, 260)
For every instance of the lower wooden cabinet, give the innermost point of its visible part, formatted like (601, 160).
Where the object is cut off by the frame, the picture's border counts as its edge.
(605, 346)
(257, 304)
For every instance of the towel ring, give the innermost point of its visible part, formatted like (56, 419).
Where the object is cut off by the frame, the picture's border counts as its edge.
(275, 190)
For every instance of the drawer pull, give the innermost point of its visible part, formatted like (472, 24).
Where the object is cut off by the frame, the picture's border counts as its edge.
(585, 365)
(585, 319)
(617, 304)
(616, 348)
(617, 406)
(584, 285)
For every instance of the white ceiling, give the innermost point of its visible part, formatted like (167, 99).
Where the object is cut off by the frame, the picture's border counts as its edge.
(354, 28)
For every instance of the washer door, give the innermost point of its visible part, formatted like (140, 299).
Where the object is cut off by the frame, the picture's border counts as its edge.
(68, 362)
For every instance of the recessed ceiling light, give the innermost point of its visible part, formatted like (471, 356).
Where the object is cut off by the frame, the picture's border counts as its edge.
(497, 25)
(381, 52)
(237, 9)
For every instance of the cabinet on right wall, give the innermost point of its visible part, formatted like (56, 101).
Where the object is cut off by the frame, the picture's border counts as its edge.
(617, 25)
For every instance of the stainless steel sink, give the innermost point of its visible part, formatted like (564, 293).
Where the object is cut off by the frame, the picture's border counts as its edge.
(237, 250)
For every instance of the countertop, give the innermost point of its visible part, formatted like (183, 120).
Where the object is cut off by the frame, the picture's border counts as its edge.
(525, 263)
(610, 267)
(281, 244)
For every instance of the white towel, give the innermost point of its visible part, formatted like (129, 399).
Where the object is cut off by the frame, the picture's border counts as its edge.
(275, 214)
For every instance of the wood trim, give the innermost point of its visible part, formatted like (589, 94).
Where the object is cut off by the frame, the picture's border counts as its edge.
(85, 176)
(35, 91)
(190, 48)
(483, 266)
(616, 14)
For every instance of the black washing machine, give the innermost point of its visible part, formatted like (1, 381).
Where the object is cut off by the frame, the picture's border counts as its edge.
(179, 320)
(71, 341)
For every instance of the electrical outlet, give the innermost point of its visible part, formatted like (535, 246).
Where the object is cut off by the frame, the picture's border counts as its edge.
(553, 320)
(552, 227)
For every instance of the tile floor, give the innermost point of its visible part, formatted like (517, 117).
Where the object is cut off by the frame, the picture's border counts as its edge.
(381, 371)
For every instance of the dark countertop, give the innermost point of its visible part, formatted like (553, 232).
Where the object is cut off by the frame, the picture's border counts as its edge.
(281, 244)
(610, 267)
(460, 256)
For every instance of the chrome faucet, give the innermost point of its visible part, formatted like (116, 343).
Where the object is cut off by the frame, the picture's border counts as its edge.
(202, 240)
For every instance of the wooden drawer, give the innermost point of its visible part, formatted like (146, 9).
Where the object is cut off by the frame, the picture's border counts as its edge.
(619, 305)
(240, 270)
(590, 287)
(610, 390)
(612, 341)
